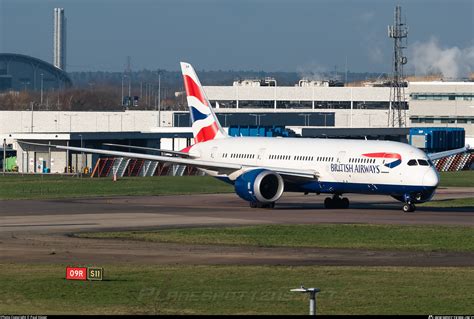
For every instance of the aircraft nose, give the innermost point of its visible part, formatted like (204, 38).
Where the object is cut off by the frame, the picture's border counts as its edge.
(431, 178)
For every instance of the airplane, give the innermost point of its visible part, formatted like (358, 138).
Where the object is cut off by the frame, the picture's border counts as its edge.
(262, 168)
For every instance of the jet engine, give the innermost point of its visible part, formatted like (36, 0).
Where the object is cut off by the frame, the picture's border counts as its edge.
(259, 186)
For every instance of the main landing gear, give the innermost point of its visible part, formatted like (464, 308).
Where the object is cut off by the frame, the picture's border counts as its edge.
(262, 205)
(336, 202)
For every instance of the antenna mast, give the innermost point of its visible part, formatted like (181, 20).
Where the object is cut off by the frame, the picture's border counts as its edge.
(398, 32)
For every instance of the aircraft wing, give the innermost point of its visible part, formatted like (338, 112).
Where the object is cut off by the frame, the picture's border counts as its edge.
(222, 168)
(149, 149)
(435, 156)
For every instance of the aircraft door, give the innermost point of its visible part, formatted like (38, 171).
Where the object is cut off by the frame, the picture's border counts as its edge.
(341, 176)
(214, 152)
(261, 156)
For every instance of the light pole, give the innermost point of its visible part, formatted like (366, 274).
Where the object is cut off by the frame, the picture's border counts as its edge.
(179, 115)
(257, 118)
(25, 83)
(145, 101)
(82, 157)
(32, 109)
(312, 297)
(159, 98)
(41, 88)
(325, 115)
(4, 154)
(306, 118)
(159, 91)
(225, 118)
(130, 90)
(121, 102)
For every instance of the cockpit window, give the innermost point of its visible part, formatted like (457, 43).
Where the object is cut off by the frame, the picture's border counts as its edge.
(412, 162)
(423, 162)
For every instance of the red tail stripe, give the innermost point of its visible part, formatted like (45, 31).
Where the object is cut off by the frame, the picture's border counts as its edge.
(383, 155)
(206, 133)
(192, 89)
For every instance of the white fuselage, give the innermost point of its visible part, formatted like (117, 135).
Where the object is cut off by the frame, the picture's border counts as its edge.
(335, 161)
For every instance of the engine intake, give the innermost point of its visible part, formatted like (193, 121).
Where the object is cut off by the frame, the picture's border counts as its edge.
(259, 185)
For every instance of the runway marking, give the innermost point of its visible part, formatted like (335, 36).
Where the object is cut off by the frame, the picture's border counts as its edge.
(39, 225)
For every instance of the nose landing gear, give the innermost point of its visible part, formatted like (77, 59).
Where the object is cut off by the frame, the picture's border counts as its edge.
(409, 207)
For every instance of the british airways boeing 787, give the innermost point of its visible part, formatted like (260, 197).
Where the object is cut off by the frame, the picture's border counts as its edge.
(262, 168)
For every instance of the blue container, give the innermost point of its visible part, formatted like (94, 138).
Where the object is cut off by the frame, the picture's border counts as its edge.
(439, 138)
(251, 130)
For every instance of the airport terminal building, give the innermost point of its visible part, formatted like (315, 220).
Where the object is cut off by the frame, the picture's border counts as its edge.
(309, 109)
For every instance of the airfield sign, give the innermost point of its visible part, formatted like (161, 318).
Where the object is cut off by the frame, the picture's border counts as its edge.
(84, 273)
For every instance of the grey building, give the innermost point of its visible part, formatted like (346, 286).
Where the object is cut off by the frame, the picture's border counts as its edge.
(21, 72)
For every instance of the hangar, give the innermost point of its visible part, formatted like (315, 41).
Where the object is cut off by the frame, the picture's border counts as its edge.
(20, 72)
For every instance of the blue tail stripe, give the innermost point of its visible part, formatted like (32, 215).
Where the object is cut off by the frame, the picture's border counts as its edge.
(196, 115)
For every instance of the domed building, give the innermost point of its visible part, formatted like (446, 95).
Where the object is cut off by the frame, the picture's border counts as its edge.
(20, 72)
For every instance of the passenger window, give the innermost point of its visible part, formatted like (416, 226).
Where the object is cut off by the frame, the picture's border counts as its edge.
(423, 162)
(412, 162)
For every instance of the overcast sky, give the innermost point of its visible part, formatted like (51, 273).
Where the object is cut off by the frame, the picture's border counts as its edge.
(281, 35)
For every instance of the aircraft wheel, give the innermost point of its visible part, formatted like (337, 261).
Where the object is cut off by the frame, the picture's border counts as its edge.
(345, 202)
(262, 205)
(328, 203)
(408, 208)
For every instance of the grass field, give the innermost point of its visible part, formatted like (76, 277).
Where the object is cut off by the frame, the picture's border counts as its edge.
(56, 186)
(455, 202)
(145, 289)
(457, 179)
(417, 238)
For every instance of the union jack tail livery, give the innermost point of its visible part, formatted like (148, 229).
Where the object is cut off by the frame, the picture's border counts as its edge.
(205, 125)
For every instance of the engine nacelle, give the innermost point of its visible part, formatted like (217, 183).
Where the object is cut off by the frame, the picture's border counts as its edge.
(259, 185)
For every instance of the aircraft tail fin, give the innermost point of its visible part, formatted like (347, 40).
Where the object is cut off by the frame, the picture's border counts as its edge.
(204, 121)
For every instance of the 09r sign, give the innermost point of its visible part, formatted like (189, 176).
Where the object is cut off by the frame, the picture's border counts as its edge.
(76, 273)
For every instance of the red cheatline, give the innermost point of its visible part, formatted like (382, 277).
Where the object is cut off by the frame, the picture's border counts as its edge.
(383, 155)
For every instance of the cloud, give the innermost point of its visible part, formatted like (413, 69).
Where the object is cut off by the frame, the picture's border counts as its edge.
(370, 37)
(429, 57)
(312, 71)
